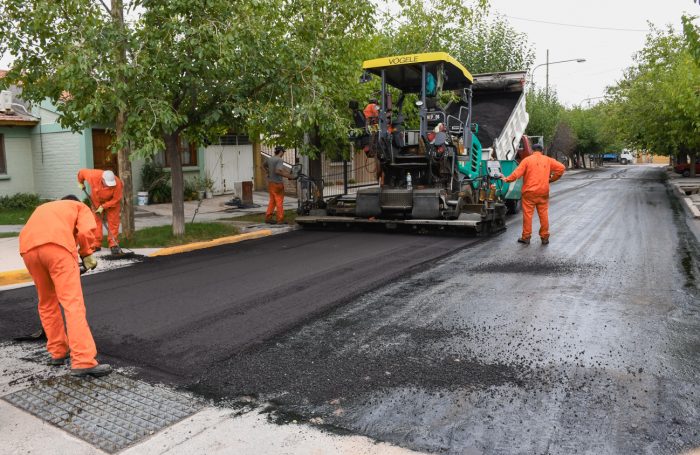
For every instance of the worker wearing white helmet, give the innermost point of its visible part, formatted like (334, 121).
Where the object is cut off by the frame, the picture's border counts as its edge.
(106, 196)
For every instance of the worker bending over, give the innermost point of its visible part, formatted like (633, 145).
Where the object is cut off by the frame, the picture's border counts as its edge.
(106, 196)
(47, 244)
(537, 172)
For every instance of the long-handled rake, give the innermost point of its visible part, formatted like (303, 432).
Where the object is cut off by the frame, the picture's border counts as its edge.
(128, 254)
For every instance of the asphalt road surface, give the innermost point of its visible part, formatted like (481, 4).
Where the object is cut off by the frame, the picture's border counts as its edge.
(442, 344)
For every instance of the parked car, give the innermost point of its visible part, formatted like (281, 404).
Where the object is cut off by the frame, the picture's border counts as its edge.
(684, 169)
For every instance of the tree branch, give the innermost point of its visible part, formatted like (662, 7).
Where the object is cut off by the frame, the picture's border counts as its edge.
(106, 8)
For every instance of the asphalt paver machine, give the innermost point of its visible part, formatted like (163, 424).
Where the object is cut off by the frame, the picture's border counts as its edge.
(436, 176)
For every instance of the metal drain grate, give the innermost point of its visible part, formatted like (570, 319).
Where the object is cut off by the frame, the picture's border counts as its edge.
(111, 412)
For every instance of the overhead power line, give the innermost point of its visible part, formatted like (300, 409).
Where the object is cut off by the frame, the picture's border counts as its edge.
(592, 27)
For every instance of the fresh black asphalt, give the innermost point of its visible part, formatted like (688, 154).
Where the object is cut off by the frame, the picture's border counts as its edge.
(587, 345)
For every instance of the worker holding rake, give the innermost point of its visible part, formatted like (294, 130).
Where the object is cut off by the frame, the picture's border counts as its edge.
(106, 197)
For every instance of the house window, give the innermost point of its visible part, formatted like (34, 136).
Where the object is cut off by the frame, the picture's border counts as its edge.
(188, 153)
(3, 162)
(234, 139)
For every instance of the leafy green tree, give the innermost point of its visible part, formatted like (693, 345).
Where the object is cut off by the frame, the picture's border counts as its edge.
(462, 29)
(72, 53)
(314, 54)
(492, 45)
(192, 69)
(691, 34)
(563, 142)
(545, 113)
(415, 26)
(657, 105)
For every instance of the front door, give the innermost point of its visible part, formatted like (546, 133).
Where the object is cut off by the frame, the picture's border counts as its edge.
(102, 157)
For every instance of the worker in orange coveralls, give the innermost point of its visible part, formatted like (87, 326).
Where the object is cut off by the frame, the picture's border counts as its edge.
(371, 112)
(106, 195)
(537, 171)
(47, 244)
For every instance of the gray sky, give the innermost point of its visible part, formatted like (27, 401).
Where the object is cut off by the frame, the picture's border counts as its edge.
(607, 52)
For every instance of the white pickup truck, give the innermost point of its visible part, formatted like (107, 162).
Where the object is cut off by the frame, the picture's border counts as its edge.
(627, 157)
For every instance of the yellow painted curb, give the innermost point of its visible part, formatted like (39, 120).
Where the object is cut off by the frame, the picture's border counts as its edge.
(14, 277)
(210, 243)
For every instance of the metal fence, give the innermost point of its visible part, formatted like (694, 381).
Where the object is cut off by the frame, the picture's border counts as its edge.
(345, 176)
(339, 176)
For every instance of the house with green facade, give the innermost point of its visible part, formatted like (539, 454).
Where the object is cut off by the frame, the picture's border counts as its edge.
(38, 155)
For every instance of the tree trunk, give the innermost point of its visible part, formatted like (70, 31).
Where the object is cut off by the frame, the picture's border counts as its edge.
(259, 176)
(128, 225)
(693, 156)
(315, 164)
(123, 161)
(178, 184)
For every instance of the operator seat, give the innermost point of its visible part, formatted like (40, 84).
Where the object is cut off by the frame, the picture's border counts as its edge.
(435, 113)
(397, 136)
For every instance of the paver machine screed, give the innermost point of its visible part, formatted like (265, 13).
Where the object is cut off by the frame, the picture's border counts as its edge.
(438, 175)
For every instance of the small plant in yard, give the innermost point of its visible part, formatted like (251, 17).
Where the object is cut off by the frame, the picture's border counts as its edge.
(20, 201)
(16, 209)
(156, 181)
(190, 191)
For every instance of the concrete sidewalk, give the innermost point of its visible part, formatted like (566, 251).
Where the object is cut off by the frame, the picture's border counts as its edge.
(13, 273)
(209, 210)
(687, 190)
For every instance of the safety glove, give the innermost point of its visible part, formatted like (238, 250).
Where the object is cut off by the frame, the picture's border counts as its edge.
(90, 262)
(100, 209)
(81, 186)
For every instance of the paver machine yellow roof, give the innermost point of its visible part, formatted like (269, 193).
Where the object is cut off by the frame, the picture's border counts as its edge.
(434, 176)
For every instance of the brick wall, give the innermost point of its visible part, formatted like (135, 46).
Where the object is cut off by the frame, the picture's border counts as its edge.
(56, 158)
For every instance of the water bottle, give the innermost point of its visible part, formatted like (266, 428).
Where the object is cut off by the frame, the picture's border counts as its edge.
(409, 184)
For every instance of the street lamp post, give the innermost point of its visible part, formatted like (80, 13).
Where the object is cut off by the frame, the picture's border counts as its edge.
(589, 100)
(546, 87)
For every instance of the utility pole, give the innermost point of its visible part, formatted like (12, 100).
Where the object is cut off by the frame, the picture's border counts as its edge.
(127, 215)
(546, 84)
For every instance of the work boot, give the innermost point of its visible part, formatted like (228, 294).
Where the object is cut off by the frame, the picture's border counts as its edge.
(101, 369)
(282, 222)
(96, 248)
(115, 250)
(270, 221)
(545, 240)
(57, 362)
(525, 241)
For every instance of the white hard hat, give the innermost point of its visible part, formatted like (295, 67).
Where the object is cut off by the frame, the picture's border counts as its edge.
(109, 178)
